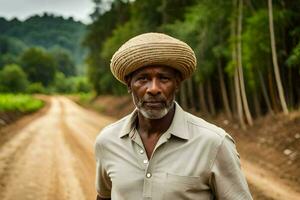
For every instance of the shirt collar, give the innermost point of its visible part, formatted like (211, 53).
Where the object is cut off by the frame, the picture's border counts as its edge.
(129, 124)
(177, 128)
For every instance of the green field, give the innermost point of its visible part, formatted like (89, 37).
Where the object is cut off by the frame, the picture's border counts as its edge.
(19, 103)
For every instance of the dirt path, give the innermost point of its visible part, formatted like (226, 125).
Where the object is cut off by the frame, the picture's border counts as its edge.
(52, 158)
(267, 183)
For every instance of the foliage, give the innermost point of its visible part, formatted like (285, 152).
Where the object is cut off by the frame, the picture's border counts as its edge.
(10, 48)
(38, 65)
(13, 79)
(63, 84)
(294, 58)
(36, 88)
(46, 31)
(63, 60)
(98, 32)
(20, 103)
(81, 84)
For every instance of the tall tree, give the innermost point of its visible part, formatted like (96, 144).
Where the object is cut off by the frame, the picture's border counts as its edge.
(234, 62)
(274, 59)
(240, 67)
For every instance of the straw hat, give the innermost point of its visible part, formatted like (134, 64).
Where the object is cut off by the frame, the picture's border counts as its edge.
(153, 49)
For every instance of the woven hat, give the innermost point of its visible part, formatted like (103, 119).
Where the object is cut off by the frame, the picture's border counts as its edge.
(153, 49)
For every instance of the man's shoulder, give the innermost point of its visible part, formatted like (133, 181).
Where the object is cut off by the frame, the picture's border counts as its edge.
(205, 128)
(112, 130)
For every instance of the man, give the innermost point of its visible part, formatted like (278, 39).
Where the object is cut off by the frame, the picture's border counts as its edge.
(160, 151)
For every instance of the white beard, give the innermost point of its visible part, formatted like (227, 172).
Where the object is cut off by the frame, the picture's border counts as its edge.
(151, 113)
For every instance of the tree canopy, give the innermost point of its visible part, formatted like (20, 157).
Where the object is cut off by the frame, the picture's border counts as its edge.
(232, 42)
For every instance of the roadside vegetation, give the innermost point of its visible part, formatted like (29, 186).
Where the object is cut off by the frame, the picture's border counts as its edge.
(13, 106)
(22, 103)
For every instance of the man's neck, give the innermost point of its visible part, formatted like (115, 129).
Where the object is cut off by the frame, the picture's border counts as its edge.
(153, 127)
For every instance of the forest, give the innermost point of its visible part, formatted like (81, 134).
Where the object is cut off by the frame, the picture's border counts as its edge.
(42, 54)
(248, 51)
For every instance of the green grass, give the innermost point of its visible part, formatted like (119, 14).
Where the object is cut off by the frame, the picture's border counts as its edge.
(19, 103)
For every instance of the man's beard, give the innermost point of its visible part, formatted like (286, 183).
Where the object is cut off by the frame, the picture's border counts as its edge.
(152, 113)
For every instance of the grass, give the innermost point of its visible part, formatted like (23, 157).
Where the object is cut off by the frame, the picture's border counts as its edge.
(19, 103)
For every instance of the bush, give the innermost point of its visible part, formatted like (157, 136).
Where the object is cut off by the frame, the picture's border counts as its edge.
(34, 88)
(13, 79)
(63, 84)
(19, 103)
(81, 84)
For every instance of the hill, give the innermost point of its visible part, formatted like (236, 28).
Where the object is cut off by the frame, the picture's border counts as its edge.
(47, 31)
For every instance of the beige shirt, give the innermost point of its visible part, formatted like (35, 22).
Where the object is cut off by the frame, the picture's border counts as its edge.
(193, 159)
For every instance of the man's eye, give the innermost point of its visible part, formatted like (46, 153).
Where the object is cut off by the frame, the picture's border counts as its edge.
(142, 78)
(163, 78)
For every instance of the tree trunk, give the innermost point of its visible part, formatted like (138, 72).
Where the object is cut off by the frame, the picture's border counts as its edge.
(274, 59)
(240, 68)
(256, 104)
(236, 78)
(273, 93)
(203, 105)
(210, 97)
(290, 88)
(233, 98)
(265, 93)
(183, 98)
(224, 91)
(238, 100)
(191, 96)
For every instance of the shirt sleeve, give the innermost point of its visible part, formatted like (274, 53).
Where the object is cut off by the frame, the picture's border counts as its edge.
(227, 179)
(103, 182)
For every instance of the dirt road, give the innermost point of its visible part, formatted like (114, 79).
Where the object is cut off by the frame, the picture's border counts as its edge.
(51, 157)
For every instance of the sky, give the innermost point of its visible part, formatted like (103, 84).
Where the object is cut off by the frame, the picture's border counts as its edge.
(22, 9)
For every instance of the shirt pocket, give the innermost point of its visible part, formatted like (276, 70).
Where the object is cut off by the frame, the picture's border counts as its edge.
(185, 187)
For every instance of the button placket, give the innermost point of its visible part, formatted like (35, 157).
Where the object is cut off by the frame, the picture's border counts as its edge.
(147, 190)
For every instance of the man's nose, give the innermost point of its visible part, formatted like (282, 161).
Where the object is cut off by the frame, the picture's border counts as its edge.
(154, 87)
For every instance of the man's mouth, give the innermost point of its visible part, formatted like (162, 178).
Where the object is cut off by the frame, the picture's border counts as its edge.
(154, 104)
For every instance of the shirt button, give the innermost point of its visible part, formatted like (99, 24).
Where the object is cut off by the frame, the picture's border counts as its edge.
(145, 161)
(141, 151)
(148, 175)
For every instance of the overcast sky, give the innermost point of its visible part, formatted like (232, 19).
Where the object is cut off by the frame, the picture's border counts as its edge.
(22, 9)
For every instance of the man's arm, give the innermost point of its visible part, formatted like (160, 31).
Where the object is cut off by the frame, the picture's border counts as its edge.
(227, 179)
(103, 182)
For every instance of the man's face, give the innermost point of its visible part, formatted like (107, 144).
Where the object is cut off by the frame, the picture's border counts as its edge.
(153, 90)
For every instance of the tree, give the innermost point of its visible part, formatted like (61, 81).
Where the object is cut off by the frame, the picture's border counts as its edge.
(97, 33)
(38, 65)
(63, 61)
(13, 79)
(239, 66)
(10, 49)
(275, 62)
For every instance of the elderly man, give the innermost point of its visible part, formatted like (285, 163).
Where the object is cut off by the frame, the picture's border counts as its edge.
(160, 151)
